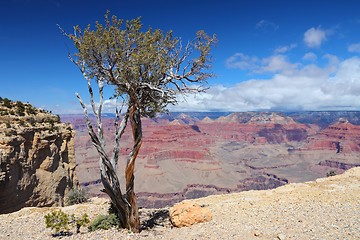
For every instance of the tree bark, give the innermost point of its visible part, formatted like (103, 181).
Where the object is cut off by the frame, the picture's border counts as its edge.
(107, 171)
(135, 120)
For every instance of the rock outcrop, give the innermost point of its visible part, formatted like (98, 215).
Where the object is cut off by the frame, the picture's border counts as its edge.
(185, 214)
(37, 158)
(341, 136)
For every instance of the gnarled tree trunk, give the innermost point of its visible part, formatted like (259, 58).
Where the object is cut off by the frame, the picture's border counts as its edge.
(135, 121)
(125, 204)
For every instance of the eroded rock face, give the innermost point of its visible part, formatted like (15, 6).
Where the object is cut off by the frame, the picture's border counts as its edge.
(37, 161)
(338, 137)
(194, 156)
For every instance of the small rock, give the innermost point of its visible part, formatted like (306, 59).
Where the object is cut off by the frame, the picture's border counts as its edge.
(257, 234)
(281, 236)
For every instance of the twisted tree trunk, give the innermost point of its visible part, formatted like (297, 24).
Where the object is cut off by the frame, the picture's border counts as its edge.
(125, 205)
(135, 120)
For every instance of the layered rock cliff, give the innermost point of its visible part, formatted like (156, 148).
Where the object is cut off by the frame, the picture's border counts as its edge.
(191, 156)
(37, 157)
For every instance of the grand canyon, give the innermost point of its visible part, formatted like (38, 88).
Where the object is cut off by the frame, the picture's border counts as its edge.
(191, 155)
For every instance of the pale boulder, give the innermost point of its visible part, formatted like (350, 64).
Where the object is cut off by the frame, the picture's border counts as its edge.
(185, 214)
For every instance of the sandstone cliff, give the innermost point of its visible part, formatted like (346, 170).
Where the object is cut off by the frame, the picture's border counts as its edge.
(37, 157)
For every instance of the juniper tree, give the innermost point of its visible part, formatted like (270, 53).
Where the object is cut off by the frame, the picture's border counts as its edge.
(148, 70)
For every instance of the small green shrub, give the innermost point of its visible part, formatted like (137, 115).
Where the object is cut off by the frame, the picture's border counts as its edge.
(76, 196)
(104, 222)
(60, 222)
(30, 110)
(57, 220)
(81, 222)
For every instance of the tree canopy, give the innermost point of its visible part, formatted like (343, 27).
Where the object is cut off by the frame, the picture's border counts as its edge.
(149, 68)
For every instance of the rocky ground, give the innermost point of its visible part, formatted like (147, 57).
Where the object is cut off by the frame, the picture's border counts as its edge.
(327, 208)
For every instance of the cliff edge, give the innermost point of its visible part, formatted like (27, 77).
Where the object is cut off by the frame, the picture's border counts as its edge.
(37, 157)
(328, 208)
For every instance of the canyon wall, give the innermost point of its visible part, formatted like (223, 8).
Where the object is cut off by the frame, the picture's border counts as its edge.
(37, 159)
(189, 156)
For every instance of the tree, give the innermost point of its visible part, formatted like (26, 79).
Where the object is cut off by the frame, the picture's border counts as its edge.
(148, 70)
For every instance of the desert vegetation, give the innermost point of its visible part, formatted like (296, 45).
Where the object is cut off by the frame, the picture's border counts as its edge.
(61, 222)
(26, 115)
(147, 71)
(18, 108)
(76, 196)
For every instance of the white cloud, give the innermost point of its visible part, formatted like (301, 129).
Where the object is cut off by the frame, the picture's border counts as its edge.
(314, 37)
(310, 56)
(266, 25)
(335, 86)
(241, 61)
(354, 48)
(284, 49)
(292, 86)
(275, 63)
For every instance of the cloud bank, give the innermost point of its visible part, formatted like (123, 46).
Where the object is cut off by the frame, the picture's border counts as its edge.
(293, 86)
(317, 81)
(355, 48)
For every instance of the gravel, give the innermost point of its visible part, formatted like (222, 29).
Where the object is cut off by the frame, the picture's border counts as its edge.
(327, 208)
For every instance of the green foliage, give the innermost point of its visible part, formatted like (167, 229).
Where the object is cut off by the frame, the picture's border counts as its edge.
(20, 108)
(104, 222)
(331, 173)
(147, 68)
(30, 110)
(57, 220)
(76, 196)
(61, 222)
(19, 104)
(81, 222)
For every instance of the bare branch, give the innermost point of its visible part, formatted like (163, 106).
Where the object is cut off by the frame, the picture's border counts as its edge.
(119, 131)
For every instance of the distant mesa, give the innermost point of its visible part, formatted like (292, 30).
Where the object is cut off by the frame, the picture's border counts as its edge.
(272, 118)
(207, 120)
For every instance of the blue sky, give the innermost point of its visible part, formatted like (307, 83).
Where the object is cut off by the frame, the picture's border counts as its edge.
(271, 55)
